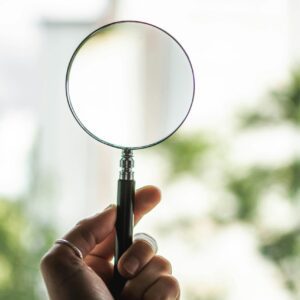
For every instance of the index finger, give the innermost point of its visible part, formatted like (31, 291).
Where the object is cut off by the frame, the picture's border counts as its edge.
(146, 198)
(84, 236)
(93, 230)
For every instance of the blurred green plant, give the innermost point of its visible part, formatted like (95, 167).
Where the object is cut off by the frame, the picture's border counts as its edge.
(188, 154)
(25, 237)
(249, 188)
(283, 104)
(281, 248)
(23, 241)
(185, 153)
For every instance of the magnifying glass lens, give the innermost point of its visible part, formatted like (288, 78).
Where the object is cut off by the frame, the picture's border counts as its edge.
(130, 85)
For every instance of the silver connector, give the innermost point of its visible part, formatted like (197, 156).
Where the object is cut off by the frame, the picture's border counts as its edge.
(126, 165)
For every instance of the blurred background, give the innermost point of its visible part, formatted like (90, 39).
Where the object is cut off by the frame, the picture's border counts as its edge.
(229, 220)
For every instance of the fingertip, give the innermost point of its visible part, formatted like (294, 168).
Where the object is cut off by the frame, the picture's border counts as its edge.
(146, 199)
(155, 191)
(149, 188)
(149, 193)
(166, 287)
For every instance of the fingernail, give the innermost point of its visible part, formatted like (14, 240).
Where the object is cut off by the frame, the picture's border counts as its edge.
(109, 206)
(131, 265)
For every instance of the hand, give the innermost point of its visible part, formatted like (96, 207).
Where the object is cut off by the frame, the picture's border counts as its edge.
(68, 277)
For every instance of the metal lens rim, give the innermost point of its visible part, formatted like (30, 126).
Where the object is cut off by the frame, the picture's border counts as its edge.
(69, 98)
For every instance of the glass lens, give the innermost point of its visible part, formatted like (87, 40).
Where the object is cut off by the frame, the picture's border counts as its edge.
(130, 84)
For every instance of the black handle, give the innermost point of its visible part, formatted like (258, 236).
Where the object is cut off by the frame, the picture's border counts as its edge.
(124, 229)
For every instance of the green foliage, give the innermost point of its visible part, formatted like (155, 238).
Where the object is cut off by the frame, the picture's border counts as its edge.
(284, 250)
(282, 105)
(288, 99)
(185, 153)
(247, 190)
(282, 246)
(23, 241)
(289, 176)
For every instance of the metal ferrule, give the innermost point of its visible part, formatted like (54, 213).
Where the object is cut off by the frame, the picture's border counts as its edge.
(126, 165)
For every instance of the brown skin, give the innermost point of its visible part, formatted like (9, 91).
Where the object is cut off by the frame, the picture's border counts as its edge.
(68, 277)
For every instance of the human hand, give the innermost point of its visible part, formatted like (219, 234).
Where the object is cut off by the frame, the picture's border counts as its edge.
(68, 277)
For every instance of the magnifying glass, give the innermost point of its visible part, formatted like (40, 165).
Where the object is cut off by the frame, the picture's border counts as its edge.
(129, 85)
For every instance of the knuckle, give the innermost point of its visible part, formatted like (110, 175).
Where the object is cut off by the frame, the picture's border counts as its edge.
(55, 260)
(56, 268)
(45, 262)
(163, 264)
(81, 222)
(51, 261)
(84, 232)
(170, 283)
(166, 287)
